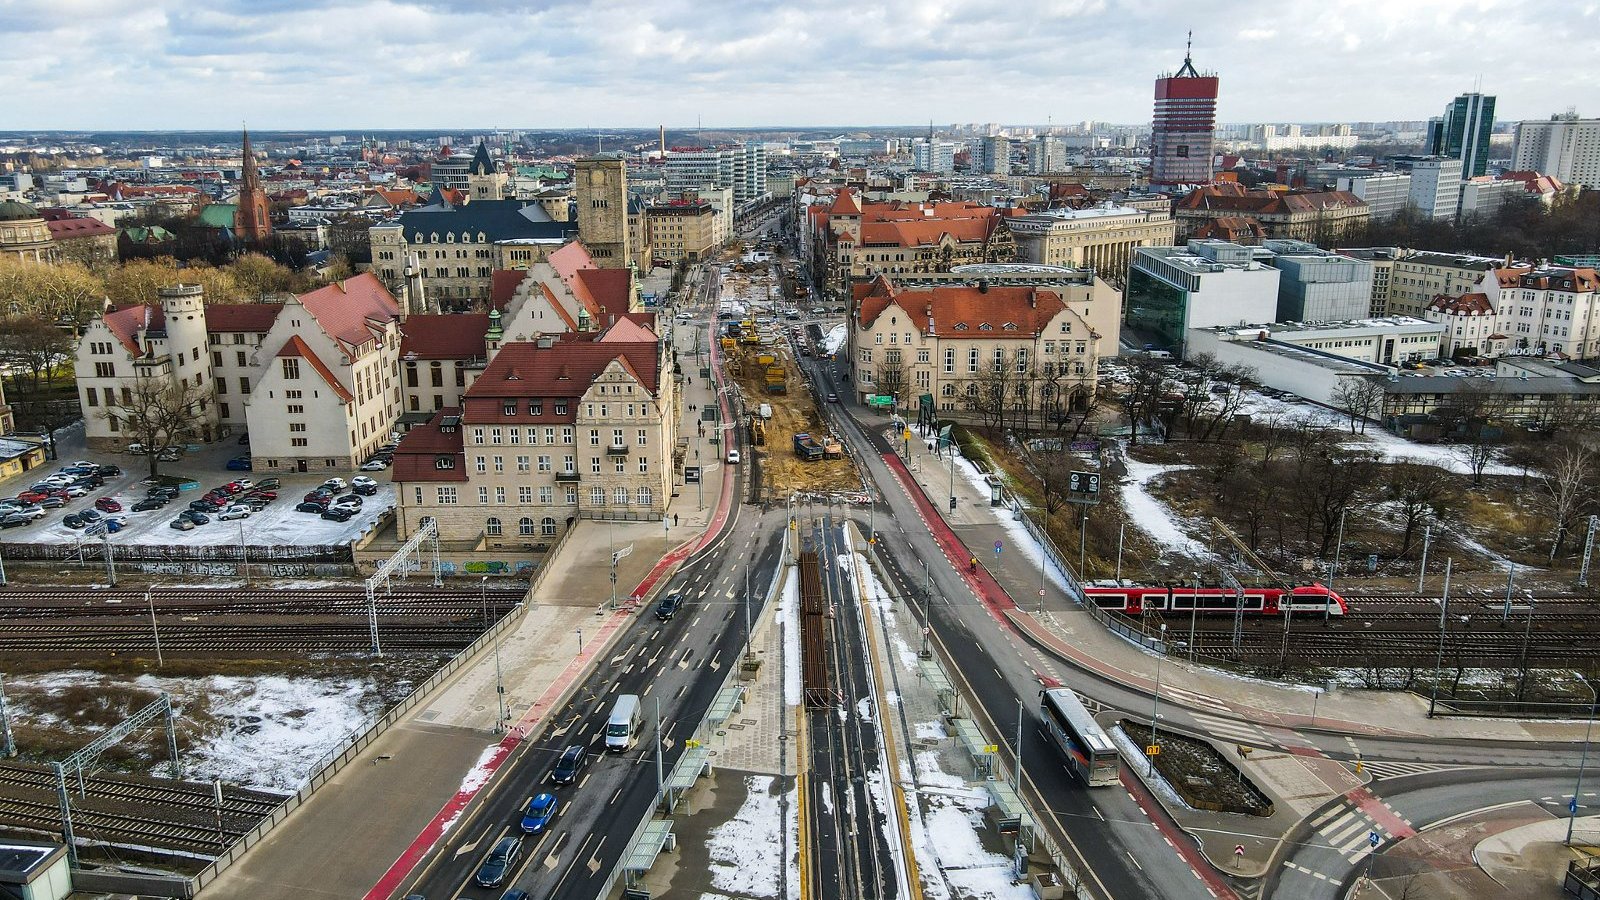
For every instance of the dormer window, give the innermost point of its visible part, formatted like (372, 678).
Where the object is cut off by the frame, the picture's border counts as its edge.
(961, 326)
(482, 239)
(444, 462)
(1009, 326)
(986, 327)
(449, 239)
(509, 408)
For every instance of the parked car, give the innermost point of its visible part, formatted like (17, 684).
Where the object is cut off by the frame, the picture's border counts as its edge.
(32, 496)
(240, 486)
(149, 503)
(537, 814)
(339, 513)
(310, 506)
(162, 490)
(171, 454)
(501, 860)
(195, 516)
(239, 464)
(362, 481)
(112, 524)
(89, 481)
(136, 449)
(268, 484)
(14, 520)
(75, 491)
(108, 471)
(53, 501)
(321, 494)
(106, 504)
(236, 511)
(335, 484)
(351, 500)
(375, 465)
(244, 440)
(73, 520)
(569, 765)
(181, 525)
(205, 505)
(263, 496)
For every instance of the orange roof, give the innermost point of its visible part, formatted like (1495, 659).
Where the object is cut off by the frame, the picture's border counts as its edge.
(297, 347)
(1464, 305)
(926, 233)
(997, 312)
(345, 308)
(844, 204)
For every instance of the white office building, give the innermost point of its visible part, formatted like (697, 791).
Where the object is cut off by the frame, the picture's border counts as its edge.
(933, 156)
(1174, 290)
(1435, 185)
(1385, 193)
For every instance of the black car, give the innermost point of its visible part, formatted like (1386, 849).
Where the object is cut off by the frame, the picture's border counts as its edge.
(501, 860)
(162, 491)
(195, 516)
(267, 484)
(338, 513)
(89, 481)
(53, 502)
(73, 520)
(366, 490)
(14, 520)
(149, 503)
(668, 607)
(569, 765)
(205, 505)
(108, 471)
(309, 506)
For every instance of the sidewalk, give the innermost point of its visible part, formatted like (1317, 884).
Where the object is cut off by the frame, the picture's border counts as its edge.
(1510, 852)
(1072, 635)
(359, 835)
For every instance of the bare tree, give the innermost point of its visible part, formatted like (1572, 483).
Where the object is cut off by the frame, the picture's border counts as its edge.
(890, 379)
(157, 412)
(1568, 490)
(1141, 396)
(34, 347)
(1329, 478)
(1418, 494)
(1359, 397)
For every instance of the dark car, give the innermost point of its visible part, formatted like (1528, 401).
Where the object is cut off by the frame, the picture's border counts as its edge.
(515, 894)
(149, 503)
(206, 505)
(195, 516)
(569, 765)
(106, 504)
(54, 501)
(311, 506)
(268, 484)
(14, 520)
(668, 607)
(90, 480)
(73, 520)
(239, 464)
(166, 491)
(366, 490)
(538, 813)
(108, 471)
(318, 495)
(501, 860)
(338, 513)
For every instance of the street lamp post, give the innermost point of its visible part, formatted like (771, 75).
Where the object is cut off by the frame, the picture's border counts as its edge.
(1438, 661)
(1120, 530)
(1577, 788)
(154, 629)
(1155, 707)
(499, 679)
(1327, 608)
(1194, 610)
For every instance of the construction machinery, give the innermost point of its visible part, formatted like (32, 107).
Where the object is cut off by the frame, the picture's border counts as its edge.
(777, 380)
(806, 447)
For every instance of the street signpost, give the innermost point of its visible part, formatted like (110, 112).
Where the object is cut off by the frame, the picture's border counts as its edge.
(1372, 838)
(997, 548)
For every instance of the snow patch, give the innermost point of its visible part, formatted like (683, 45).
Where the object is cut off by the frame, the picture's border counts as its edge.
(834, 339)
(1153, 516)
(864, 709)
(929, 731)
(1152, 778)
(788, 615)
(479, 774)
(745, 850)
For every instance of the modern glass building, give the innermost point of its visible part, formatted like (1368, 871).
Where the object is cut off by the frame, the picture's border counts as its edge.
(1463, 133)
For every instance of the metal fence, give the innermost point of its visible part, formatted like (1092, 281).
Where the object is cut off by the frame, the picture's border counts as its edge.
(223, 553)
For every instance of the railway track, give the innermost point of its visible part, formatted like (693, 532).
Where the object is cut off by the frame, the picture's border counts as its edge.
(236, 803)
(136, 637)
(73, 603)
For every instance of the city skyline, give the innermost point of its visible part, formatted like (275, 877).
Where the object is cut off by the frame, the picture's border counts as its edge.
(290, 64)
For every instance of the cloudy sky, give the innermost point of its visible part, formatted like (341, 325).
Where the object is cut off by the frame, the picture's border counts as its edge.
(351, 64)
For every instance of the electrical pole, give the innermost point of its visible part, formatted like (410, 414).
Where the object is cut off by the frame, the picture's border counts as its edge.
(1327, 608)
(1422, 570)
(8, 743)
(1438, 660)
(111, 568)
(1155, 706)
(1511, 574)
(661, 776)
(1577, 789)
(499, 679)
(154, 629)
(1194, 611)
(1120, 530)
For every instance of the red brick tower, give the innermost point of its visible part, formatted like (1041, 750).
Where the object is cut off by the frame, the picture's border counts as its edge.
(252, 221)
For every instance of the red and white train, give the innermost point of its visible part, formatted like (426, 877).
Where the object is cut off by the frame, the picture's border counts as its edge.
(1135, 601)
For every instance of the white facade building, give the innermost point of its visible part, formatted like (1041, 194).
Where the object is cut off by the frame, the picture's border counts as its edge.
(1564, 147)
(1385, 193)
(1436, 186)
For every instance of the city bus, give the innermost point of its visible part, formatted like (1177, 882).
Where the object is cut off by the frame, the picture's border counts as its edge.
(1088, 749)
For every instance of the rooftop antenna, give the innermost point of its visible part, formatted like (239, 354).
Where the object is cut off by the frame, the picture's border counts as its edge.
(1188, 64)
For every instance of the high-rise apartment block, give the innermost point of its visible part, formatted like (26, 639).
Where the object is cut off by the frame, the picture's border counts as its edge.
(1435, 184)
(1463, 133)
(929, 155)
(1564, 147)
(1049, 154)
(1385, 193)
(997, 155)
(1184, 127)
(741, 167)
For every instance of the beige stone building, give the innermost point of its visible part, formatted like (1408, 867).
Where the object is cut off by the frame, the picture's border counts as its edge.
(1100, 237)
(958, 343)
(23, 233)
(602, 188)
(682, 230)
(554, 430)
(852, 241)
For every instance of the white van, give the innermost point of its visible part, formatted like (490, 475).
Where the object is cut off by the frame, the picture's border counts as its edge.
(623, 726)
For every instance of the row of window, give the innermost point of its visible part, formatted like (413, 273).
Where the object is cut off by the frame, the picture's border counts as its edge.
(525, 527)
(546, 463)
(598, 496)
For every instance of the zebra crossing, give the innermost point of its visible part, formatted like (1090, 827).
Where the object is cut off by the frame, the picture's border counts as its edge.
(1190, 698)
(1347, 831)
(1379, 768)
(1233, 730)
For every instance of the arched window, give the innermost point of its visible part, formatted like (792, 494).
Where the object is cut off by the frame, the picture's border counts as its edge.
(525, 526)
(492, 527)
(597, 496)
(547, 527)
(620, 496)
(947, 390)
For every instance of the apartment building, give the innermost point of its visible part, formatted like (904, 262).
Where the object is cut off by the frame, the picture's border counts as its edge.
(741, 168)
(1418, 277)
(682, 230)
(554, 430)
(855, 241)
(1563, 147)
(1469, 326)
(1551, 310)
(954, 342)
(1320, 217)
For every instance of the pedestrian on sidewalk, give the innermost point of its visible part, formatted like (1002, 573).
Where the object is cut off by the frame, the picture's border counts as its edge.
(674, 520)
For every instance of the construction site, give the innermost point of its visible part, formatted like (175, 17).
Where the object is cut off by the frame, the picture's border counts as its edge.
(791, 448)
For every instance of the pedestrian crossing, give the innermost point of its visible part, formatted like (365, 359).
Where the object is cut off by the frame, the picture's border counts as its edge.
(1348, 831)
(1190, 698)
(1379, 768)
(1233, 730)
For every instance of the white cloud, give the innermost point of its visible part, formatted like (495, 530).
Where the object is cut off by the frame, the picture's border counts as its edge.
(578, 63)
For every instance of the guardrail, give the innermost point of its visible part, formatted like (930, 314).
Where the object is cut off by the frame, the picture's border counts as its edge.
(342, 755)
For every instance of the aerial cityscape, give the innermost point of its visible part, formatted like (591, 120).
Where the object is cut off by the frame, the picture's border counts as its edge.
(473, 453)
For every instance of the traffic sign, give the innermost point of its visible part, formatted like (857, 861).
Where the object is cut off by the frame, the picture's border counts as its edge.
(1572, 806)
(1153, 750)
(1238, 849)
(997, 546)
(1372, 838)
(1084, 482)
(991, 748)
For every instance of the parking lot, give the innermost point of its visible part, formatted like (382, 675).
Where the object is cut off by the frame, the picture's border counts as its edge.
(278, 524)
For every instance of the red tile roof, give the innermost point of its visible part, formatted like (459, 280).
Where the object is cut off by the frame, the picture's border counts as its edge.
(1464, 305)
(344, 308)
(126, 323)
(297, 347)
(961, 310)
(927, 233)
(67, 229)
(255, 318)
(844, 204)
(1234, 197)
(446, 336)
(416, 459)
(565, 369)
(503, 285)
(611, 289)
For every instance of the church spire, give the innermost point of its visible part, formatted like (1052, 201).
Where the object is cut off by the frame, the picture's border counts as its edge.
(252, 219)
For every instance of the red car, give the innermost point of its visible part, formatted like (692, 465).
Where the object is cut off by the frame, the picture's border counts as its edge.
(32, 496)
(318, 496)
(106, 504)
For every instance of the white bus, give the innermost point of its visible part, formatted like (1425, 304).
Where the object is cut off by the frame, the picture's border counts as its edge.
(1088, 749)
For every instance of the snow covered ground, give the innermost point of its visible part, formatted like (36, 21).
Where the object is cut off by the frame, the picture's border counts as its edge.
(266, 732)
(1021, 541)
(946, 822)
(834, 339)
(789, 618)
(1153, 516)
(746, 851)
